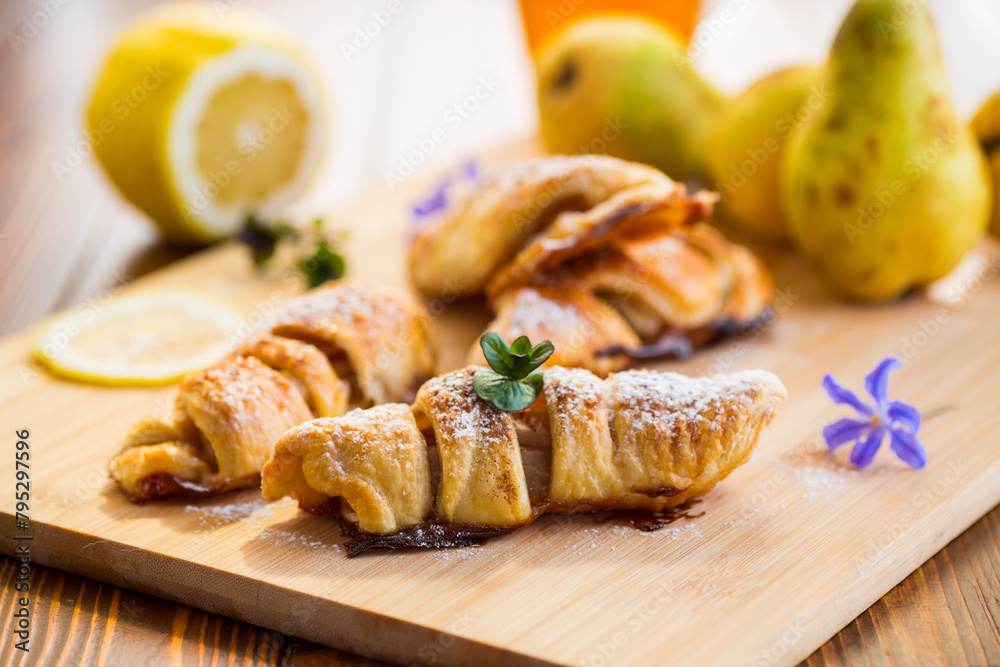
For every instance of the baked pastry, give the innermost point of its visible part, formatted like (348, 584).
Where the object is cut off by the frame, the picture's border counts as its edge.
(575, 235)
(454, 469)
(345, 344)
(530, 215)
(664, 296)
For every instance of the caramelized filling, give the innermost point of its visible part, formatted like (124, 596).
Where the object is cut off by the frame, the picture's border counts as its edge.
(165, 485)
(681, 343)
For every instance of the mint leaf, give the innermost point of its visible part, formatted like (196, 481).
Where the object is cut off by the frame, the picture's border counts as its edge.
(497, 352)
(515, 381)
(540, 353)
(521, 346)
(507, 394)
(536, 381)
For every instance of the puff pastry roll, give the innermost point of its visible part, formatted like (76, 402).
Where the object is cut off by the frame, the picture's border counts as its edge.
(535, 214)
(580, 325)
(672, 294)
(579, 234)
(638, 440)
(329, 349)
(380, 471)
(482, 479)
(379, 335)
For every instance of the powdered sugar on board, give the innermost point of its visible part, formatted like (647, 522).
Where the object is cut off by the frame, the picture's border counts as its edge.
(247, 511)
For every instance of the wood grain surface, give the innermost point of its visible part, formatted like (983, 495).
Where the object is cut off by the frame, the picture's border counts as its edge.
(931, 618)
(62, 241)
(791, 547)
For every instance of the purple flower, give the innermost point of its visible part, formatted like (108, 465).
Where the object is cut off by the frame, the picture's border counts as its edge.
(896, 419)
(437, 201)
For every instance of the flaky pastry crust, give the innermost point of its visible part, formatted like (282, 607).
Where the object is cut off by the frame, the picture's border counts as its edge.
(343, 344)
(638, 440)
(618, 247)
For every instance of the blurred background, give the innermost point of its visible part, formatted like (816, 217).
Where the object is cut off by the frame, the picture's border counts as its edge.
(67, 234)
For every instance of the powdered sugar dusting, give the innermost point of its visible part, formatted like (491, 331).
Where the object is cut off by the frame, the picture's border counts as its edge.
(459, 415)
(663, 402)
(535, 314)
(377, 429)
(346, 304)
(573, 394)
(240, 388)
(249, 514)
(824, 482)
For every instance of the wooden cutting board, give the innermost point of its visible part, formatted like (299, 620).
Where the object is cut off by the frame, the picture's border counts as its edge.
(789, 549)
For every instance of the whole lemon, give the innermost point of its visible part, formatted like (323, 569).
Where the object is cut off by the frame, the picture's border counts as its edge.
(201, 118)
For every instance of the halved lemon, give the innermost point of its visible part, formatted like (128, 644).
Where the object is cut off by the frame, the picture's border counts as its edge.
(146, 339)
(203, 114)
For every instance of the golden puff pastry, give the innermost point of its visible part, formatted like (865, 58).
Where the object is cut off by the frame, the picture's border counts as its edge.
(574, 235)
(579, 324)
(662, 296)
(532, 215)
(379, 335)
(638, 440)
(329, 349)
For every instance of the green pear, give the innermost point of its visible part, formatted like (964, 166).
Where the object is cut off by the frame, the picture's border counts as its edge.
(884, 188)
(986, 125)
(745, 146)
(624, 86)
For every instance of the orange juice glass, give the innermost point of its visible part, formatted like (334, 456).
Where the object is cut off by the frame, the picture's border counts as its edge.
(543, 17)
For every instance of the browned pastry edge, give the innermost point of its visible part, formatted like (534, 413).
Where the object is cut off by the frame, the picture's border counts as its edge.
(631, 223)
(681, 344)
(436, 534)
(647, 500)
(167, 485)
(163, 485)
(430, 534)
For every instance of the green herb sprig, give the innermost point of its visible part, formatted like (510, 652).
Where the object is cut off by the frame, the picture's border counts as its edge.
(323, 263)
(515, 380)
(262, 239)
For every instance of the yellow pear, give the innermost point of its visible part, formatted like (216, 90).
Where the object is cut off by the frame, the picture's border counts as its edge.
(884, 188)
(986, 125)
(624, 86)
(745, 145)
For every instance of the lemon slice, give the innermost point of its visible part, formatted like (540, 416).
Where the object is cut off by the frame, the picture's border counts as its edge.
(202, 116)
(147, 339)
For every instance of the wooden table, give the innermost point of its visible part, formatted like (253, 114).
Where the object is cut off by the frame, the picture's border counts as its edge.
(65, 239)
